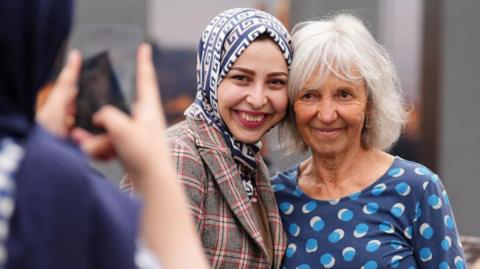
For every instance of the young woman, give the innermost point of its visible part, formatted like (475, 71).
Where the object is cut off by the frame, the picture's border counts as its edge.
(242, 78)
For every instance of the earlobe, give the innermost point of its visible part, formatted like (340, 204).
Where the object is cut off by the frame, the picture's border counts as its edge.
(365, 123)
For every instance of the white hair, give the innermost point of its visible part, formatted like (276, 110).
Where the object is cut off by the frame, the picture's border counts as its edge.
(344, 47)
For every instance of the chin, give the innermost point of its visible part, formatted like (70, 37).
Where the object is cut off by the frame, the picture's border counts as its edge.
(249, 138)
(327, 150)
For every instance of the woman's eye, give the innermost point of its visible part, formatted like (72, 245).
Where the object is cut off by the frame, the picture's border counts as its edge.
(239, 77)
(278, 82)
(307, 96)
(344, 94)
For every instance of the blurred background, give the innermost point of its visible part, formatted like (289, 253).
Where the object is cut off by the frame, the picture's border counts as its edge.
(434, 43)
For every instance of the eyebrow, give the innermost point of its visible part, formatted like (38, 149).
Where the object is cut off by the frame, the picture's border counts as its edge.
(248, 71)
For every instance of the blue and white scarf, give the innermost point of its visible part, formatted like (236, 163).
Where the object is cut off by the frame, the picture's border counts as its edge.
(222, 42)
(11, 154)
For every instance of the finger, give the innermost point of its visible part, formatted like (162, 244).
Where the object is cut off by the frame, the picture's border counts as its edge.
(113, 120)
(147, 89)
(96, 146)
(69, 75)
(99, 147)
(80, 135)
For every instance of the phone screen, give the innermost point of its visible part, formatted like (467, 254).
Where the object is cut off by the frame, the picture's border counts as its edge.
(98, 86)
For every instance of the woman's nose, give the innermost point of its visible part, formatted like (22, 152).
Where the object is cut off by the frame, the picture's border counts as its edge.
(257, 97)
(327, 111)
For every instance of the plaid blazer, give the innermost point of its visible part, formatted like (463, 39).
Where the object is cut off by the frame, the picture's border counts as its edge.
(223, 214)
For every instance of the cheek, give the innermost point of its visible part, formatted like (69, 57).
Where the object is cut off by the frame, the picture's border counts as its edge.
(354, 114)
(303, 114)
(227, 96)
(279, 101)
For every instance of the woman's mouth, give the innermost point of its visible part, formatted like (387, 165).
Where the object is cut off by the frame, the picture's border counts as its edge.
(251, 119)
(327, 131)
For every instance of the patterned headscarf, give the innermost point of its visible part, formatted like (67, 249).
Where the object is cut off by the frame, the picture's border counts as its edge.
(222, 42)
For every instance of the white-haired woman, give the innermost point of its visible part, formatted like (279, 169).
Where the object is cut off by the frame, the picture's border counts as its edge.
(351, 204)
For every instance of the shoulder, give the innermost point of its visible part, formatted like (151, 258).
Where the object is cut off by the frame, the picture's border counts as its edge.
(54, 158)
(190, 167)
(181, 133)
(404, 169)
(286, 179)
(182, 140)
(412, 176)
(59, 168)
(59, 192)
(192, 134)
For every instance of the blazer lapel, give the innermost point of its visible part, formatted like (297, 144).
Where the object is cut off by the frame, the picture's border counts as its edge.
(217, 156)
(226, 174)
(267, 195)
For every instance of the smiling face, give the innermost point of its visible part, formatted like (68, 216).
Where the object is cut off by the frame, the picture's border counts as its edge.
(252, 97)
(330, 117)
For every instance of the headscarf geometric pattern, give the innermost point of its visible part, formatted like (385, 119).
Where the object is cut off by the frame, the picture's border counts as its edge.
(222, 42)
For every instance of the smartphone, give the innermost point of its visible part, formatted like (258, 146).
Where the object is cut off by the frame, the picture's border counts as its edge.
(98, 86)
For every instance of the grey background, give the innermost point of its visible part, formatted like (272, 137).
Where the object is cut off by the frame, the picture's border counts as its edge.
(460, 113)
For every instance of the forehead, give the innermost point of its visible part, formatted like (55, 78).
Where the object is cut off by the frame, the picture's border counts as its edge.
(334, 77)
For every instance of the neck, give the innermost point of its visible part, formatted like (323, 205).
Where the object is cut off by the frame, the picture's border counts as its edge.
(332, 177)
(336, 167)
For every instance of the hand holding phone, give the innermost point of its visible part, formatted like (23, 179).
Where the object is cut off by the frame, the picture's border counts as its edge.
(98, 86)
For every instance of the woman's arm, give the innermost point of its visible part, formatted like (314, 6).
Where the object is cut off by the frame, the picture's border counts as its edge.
(140, 144)
(436, 243)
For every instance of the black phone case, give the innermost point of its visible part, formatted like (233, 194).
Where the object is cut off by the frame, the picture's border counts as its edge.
(98, 86)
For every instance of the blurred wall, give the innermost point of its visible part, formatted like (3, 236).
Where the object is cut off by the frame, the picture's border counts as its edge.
(180, 23)
(111, 11)
(402, 37)
(302, 10)
(459, 160)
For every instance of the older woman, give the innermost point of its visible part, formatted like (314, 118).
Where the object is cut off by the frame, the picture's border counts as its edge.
(351, 204)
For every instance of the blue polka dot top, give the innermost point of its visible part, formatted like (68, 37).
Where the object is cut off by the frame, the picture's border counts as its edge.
(403, 220)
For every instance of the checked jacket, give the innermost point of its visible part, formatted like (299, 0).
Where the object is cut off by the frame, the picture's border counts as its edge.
(224, 217)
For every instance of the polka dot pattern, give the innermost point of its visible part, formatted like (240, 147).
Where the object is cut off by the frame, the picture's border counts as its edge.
(403, 220)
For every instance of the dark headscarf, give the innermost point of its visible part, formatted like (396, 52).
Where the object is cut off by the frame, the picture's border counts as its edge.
(32, 33)
(222, 42)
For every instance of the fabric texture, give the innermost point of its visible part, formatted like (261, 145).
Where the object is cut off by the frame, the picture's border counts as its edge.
(66, 214)
(32, 33)
(29, 43)
(224, 216)
(403, 220)
(222, 42)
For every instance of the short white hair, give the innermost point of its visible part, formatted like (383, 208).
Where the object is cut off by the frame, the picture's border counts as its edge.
(343, 46)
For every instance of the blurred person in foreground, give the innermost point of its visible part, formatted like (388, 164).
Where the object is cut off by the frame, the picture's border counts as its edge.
(352, 205)
(55, 210)
(242, 78)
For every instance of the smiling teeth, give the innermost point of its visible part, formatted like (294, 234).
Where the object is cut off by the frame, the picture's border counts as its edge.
(250, 117)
